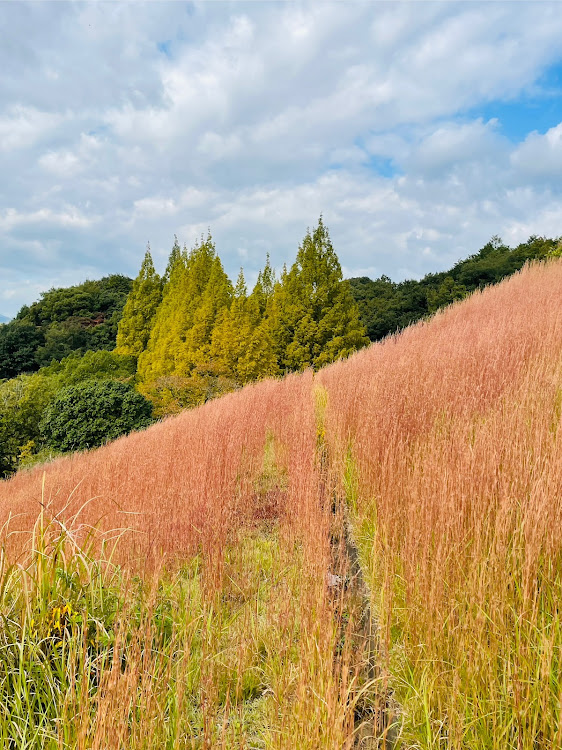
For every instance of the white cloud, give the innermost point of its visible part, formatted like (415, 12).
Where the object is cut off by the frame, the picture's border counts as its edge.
(21, 127)
(452, 144)
(155, 207)
(70, 217)
(540, 154)
(62, 163)
(216, 147)
(67, 163)
(159, 206)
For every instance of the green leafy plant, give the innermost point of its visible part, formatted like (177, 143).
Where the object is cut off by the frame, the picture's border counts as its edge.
(85, 416)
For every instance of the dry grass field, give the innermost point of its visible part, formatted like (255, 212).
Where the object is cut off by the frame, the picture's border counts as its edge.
(449, 444)
(171, 589)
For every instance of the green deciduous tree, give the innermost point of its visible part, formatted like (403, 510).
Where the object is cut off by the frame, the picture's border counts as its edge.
(24, 399)
(100, 365)
(87, 415)
(22, 402)
(143, 300)
(9, 446)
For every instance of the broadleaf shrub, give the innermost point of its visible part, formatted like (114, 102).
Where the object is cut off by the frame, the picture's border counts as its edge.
(85, 416)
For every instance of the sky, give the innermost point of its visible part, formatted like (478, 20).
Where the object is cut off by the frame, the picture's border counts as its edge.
(418, 130)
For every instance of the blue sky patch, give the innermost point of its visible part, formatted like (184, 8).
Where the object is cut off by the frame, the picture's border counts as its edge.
(540, 109)
(165, 48)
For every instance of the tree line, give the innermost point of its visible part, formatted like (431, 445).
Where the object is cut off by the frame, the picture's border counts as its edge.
(79, 318)
(196, 335)
(386, 307)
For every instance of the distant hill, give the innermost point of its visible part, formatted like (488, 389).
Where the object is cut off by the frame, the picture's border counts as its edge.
(75, 319)
(386, 306)
(4, 319)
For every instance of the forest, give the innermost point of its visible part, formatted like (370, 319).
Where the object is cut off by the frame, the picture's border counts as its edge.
(153, 346)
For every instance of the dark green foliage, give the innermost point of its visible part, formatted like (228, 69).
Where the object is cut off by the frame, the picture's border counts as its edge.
(23, 400)
(61, 339)
(19, 342)
(9, 446)
(387, 307)
(85, 416)
(77, 319)
(88, 302)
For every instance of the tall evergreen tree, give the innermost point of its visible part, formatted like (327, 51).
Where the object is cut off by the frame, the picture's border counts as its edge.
(242, 345)
(197, 290)
(174, 259)
(158, 357)
(315, 318)
(213, 291)
(226, 342)
(141, 305)
(264, 288)
(258, 358)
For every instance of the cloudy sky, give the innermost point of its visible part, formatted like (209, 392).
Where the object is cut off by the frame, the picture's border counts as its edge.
(418, 129)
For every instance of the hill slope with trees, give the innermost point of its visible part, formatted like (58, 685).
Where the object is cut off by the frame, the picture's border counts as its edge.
(191, 335)
(194, 334)
(386, 306)
(206, 337)
(75, 319)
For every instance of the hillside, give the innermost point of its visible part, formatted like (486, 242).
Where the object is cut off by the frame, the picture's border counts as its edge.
(444, 444)
(386, 306)
(74, 319)
(182, 339)
(85, 317)
(190, 336)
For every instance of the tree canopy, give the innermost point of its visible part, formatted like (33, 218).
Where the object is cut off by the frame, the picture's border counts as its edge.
(75, 319)
(87, 415)
(24, 399)
(139, 310)
(315, 318)
(386, 307)
(194, 295)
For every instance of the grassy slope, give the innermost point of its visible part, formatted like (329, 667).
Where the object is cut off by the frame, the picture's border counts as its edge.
(449, 437)
(445, 440)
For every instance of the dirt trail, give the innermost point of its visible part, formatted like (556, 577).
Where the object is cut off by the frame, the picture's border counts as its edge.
(376, 714)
